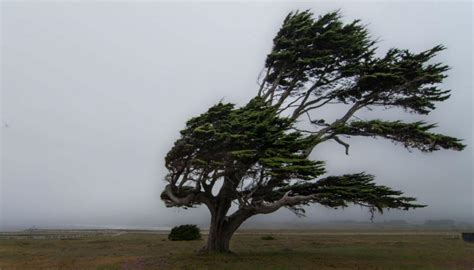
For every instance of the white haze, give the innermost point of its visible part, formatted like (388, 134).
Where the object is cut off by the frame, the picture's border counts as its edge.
(94, 95)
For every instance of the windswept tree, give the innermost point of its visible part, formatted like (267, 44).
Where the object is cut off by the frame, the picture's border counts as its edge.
(258, 156)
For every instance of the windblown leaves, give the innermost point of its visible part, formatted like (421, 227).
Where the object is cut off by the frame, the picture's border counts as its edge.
(227, 139)
(411, 135)
(305, 48)
(401, 79)
(326, 59)
(263, 159)
(358, 189)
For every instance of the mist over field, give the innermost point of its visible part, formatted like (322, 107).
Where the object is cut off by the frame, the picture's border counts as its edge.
(93, 95)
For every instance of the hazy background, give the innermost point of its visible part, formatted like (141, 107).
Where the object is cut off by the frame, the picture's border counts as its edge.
(94, 95)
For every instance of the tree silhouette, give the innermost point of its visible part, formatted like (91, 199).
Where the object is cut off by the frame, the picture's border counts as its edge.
(257, 156)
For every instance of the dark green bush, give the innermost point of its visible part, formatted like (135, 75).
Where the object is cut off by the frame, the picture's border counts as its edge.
(185, 232)
(268, 237)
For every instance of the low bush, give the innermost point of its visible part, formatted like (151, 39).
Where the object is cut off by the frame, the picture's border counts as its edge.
(185, 232)
(268, 237)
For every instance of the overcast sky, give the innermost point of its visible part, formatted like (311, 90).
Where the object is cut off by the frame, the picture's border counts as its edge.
(94, 95)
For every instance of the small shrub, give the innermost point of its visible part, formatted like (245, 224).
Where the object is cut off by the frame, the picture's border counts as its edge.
(185, 232)
(268, 237)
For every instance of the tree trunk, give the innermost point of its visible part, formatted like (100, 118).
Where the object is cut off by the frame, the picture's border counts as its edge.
(219, 233)
(222, 229)
(218, 239)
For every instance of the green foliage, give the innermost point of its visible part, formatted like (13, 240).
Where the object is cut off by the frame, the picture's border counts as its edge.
(402, 79)
(358, 189)
(340, 60)
(412, 135)
(225, 138)
(305, 48)
(263, 158)
(185, 233)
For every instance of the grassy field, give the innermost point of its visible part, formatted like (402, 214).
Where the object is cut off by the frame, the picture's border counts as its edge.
(288, 250)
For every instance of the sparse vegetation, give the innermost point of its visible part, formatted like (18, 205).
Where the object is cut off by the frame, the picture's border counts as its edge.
(290, 250)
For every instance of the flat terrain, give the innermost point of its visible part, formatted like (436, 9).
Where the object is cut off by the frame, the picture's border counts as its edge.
(315, 249)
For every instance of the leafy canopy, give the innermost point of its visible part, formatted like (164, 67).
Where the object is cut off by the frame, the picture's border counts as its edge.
(260, 157)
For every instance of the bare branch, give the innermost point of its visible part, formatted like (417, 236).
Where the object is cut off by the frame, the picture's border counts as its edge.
(316, 106)
(264, 81)
(178, 201)
(289, 89)
(194, 197)
(346, 145)
(290, 104)
(271, 91)
(286, 200)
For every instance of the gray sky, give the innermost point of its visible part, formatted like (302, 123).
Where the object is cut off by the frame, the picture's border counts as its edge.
(94, 95)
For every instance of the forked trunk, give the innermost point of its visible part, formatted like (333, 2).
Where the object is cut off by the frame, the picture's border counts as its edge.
(219, 230)
(222, 229)
(218, 239)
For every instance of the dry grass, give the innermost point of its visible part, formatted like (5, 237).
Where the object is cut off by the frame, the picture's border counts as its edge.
(289, 250)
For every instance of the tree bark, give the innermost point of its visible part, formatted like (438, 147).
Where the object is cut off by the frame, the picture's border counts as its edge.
(223, 227)
(219, 237)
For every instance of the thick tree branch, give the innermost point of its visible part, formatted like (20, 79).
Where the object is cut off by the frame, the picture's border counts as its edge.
(191, 198)
(287, 200)
(346, 145)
